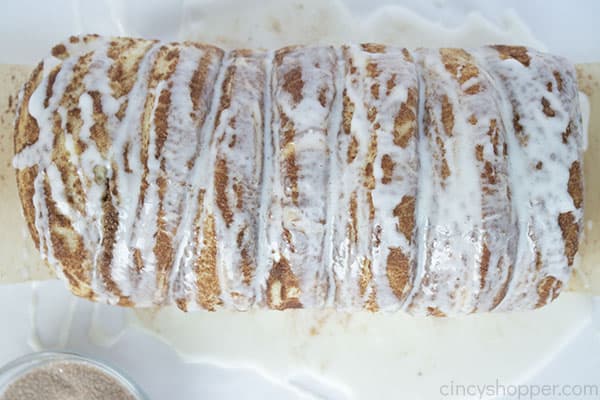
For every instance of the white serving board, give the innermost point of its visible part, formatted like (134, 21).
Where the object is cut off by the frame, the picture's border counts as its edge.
(296, 354)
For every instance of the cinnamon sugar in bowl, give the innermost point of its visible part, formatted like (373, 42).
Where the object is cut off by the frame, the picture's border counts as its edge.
(64, 376)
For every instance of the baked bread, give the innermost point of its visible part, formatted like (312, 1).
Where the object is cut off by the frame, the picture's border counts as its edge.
(437, 182)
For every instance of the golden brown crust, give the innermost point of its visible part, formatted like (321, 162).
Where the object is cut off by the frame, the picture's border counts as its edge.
(26, 133)
(221, 178)
(365, 283)
(209, 290)
(293, 84)
(518, 53)
(404, 122)
(548, 289)
(405, 212)
(283, 288)
(68, 248)
(575, 185)
(387, 166)
(110, 223)
(570, 233)
(398, 272)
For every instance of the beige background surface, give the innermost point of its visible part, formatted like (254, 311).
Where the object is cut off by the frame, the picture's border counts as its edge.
(19, 261)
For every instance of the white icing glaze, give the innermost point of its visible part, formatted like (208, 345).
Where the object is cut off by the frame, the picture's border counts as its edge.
(243, 200)
(200, 174)
(300, 143)
(263, 246)
(467, 216)
(536, 201)
(363, 250)
(237, 144)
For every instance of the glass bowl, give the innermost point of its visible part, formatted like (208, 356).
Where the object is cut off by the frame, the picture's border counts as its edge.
(15, 369)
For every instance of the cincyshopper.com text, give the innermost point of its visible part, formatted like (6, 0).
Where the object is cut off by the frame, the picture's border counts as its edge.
(522, 391)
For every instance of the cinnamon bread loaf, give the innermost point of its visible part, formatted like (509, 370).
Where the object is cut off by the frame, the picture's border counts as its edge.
(434, 181)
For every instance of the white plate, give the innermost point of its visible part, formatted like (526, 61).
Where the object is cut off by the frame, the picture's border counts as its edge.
(299, 354)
